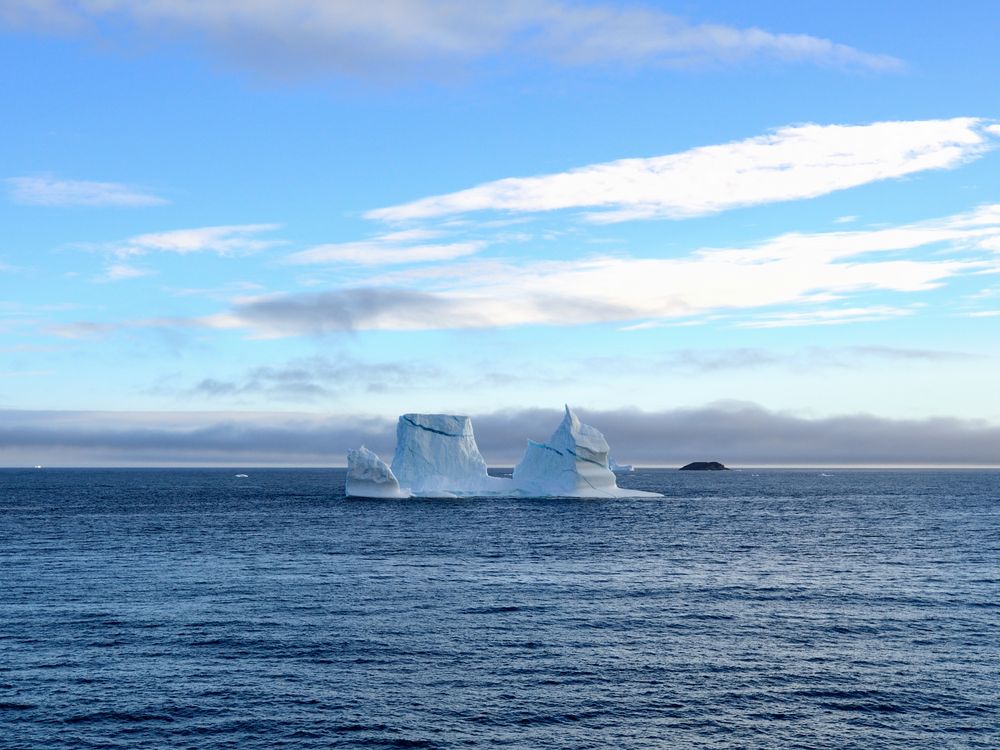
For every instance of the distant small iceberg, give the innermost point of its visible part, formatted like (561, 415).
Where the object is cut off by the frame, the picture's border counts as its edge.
(241, 476)
(618, 468)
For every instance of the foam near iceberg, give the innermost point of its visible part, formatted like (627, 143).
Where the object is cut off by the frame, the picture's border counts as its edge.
(437, 456)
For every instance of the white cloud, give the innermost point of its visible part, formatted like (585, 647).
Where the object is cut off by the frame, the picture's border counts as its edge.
(234, 239)
(223, 291)
(53, 191)
(82, 329)
(123, 271)
(281, 38)
(850, 219)
(825, 317)
(805, 271)
(387, 249)
(791, 163)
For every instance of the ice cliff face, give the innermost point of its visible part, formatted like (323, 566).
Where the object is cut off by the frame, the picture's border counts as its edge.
(368, 476)
(438, 453)
(437, 456)
(572, 463)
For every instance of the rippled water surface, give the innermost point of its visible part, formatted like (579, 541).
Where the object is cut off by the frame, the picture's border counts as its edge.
(152, 609)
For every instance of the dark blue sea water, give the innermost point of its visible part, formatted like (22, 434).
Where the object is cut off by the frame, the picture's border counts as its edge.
(771, 609)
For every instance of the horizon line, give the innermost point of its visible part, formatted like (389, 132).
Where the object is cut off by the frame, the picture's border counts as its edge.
(652, 467)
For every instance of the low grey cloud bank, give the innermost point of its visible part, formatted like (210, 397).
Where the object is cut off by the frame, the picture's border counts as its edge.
(737, 433)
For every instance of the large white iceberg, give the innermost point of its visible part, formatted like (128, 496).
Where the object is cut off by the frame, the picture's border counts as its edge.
(573, 463)
(437, 456)
(368, 476)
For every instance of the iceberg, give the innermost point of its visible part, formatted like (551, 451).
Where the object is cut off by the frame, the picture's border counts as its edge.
(437, 456)
(618, 468)
(573, 463)
(368, 476)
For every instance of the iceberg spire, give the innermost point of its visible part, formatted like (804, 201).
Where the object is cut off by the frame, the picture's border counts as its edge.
(573, 463)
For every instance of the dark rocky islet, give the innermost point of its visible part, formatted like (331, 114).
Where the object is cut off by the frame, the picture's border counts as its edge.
(704, 466)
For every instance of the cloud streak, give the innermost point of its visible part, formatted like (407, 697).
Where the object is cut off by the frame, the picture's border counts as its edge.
(402, 38)
(812, 273)
(122, 272)
(394, 248)
(274, 316)
(737, 433)
(708, 361)
(235, 239)
(312, 378)
(791, 163)
(57, 192)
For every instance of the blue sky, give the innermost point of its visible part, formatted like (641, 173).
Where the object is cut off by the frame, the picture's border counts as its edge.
(350, 210)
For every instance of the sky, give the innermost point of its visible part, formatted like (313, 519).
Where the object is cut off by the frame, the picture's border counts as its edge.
(255, 233)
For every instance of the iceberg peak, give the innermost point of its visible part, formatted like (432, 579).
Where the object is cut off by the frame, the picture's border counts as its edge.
(573, 463)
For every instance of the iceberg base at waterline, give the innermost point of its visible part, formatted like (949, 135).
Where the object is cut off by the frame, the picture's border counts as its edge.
(437, 457)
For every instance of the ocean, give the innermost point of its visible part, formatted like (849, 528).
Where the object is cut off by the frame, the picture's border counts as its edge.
(746, 609)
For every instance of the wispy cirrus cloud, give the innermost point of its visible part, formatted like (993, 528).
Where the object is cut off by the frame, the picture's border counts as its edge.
(234, 239)
(122, 272)
(80, 329)
(712, 360)
(403, 38)
(393, 248)
(791, 163)
(813, 277)
(46, 190)
(318, 377)
(228, 240)
(826, 316)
